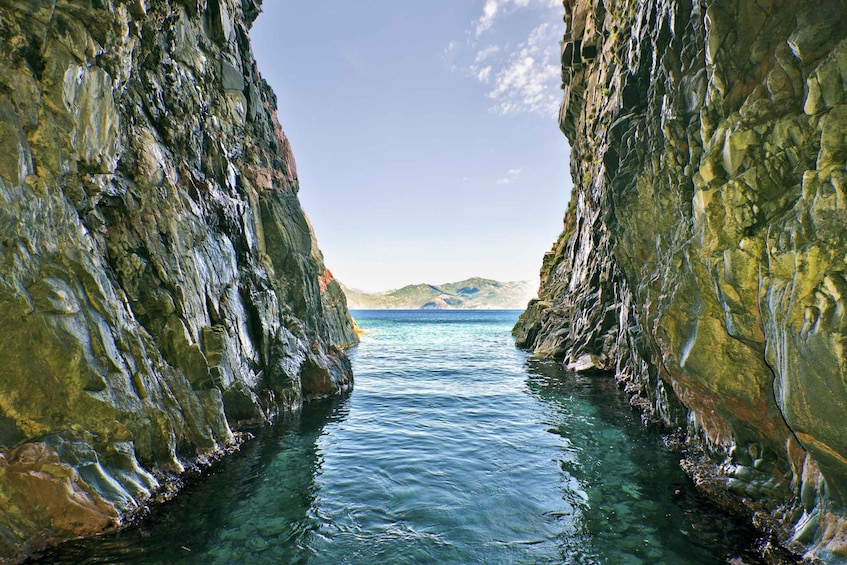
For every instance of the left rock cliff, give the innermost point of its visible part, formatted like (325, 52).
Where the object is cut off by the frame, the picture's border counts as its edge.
(159, 281)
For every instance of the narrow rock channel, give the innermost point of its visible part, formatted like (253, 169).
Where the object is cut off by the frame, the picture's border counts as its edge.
(454, 448)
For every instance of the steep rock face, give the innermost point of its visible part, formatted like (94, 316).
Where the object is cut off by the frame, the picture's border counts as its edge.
(703, 257)
(159, 282)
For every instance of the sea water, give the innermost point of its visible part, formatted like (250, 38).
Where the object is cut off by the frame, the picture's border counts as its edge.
(454, 447)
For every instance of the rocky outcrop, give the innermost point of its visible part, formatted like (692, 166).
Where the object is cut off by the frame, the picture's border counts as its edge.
(703, 259)
(159, 282)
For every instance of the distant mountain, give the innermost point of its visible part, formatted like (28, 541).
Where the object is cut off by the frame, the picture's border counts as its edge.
(474, 293)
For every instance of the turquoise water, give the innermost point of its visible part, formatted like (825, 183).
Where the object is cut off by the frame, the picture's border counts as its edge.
(454, 447)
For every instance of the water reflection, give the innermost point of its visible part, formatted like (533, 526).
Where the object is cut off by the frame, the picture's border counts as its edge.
(632, 501)
(242, 513)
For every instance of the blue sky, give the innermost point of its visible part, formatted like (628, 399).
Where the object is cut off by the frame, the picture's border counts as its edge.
(425, 133)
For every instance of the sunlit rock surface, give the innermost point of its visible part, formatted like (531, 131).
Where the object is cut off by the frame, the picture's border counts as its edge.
(159, 282)
(703, 256)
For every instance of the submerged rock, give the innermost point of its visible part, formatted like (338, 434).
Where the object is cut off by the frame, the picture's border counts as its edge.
(159, 282)
(703, 256)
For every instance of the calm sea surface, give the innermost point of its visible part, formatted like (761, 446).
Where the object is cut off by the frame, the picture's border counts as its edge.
(454, 447)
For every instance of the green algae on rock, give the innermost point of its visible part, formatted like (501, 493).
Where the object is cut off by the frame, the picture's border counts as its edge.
(159, 282)
(703, 257)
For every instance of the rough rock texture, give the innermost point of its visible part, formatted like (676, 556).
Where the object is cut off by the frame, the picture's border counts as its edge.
(159, 282)
(704, 257)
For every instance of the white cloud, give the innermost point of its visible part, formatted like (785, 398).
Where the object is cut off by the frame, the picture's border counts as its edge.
(449, 55)
(484, 54)
(519, 65)
(510, 177)
(528, 81)
(494, 9)
(489, 12)
(539, 37)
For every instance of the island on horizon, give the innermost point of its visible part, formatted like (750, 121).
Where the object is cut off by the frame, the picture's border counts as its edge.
(470, 294)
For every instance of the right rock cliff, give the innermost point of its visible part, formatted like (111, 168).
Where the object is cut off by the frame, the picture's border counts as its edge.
(704, 255)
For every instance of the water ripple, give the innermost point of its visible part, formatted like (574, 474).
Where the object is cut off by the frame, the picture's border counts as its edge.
(454, 448)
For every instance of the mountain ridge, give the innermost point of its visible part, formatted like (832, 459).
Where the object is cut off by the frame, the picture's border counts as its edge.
(474, 293)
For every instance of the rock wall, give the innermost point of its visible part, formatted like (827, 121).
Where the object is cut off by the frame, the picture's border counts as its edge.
(703, 258)
(159, 282)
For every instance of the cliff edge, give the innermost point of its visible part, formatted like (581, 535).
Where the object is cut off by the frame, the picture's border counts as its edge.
(703, 256)
(159, 282)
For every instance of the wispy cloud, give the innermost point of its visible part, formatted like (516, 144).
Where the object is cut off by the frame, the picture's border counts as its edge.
(510, 177)
(484, 54)
(484, 74)
(493, 9)
(528, 81)
(449, 55)
(517, 62)
(489, 12)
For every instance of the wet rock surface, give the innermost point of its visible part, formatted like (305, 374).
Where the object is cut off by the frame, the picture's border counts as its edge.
(159, 282)
(703, 256)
